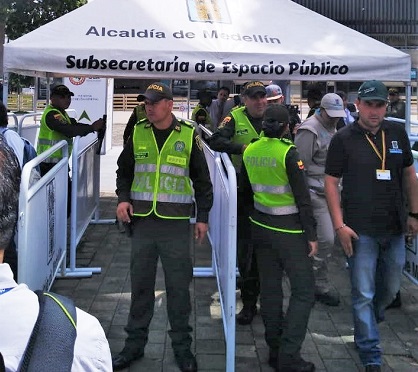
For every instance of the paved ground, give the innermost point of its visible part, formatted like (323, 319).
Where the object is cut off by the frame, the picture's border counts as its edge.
(328, 343)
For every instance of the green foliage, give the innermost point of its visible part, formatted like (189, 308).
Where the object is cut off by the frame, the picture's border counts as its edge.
(24, 16)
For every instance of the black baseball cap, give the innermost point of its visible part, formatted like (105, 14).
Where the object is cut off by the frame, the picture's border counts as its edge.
(276, 113)
(61, 90)
(253, 88)
(158, 91)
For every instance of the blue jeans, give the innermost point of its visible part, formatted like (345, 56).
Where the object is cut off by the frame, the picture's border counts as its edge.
(375, 273)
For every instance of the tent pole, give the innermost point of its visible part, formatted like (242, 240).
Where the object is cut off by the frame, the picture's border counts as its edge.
(5, 88)
(408, 107)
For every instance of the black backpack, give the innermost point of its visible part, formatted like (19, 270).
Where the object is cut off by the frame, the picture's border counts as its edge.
(51, 344)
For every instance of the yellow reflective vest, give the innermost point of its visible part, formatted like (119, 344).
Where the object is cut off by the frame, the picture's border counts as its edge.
(161, 181)
(244, 133)
(265, 162)
(48, 138)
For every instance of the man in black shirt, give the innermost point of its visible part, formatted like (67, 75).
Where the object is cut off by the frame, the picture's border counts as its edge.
(374, 159)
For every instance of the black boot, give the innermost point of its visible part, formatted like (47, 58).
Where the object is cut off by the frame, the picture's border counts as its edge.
(294, 364)
(186, 361)
(396, 303)
(273, 358)
(246, 315)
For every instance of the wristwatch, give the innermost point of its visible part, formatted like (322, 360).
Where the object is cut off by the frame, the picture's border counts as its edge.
(413, 215)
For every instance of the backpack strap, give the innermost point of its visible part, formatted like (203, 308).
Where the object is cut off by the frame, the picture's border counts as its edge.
(51, 344)
(2, 366)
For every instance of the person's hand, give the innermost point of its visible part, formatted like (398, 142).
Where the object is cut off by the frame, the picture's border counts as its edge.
(200, 230)
(346, 236)
(313, 246)
(98, 124)
(412, 225)
(124, 211)
(243, 148)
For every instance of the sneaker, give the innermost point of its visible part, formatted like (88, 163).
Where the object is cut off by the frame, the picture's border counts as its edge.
(246, 315)
(373, 368)
(186, 361)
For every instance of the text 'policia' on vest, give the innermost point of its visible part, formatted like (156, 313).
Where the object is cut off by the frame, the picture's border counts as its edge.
(161, 183)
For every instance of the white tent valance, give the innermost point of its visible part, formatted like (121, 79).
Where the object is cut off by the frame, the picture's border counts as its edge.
(203, 39)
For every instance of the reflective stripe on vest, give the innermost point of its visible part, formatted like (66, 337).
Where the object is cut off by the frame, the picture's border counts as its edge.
(244, 133)
(271, 189)
(265, 162)
(276, 211)
(161, 181)
(276, 228)
(48, 138)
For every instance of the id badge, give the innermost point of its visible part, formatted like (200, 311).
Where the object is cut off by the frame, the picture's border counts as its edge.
(383, 174)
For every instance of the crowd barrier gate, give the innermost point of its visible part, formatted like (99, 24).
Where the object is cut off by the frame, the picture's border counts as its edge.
(222, 237)
(42, 222)
(411, 245)
(85, 199)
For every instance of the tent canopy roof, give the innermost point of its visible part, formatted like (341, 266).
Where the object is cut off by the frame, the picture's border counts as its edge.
(212, 40)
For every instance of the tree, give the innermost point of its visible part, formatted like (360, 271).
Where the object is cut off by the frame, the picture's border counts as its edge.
(22, 16)
(27, 15)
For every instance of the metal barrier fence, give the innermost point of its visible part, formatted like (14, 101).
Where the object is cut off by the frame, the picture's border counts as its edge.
(411, 264)
(42, 223)
(222, 236)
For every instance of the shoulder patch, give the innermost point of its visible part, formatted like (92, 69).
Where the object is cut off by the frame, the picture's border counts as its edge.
(199, 143)
(226, 120)
(60, 117)
(300, 165)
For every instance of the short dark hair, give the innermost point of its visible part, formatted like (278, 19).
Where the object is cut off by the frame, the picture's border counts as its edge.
(342, 94)
(225, 88)
(9, 192)
(314, 94)
(3, 115)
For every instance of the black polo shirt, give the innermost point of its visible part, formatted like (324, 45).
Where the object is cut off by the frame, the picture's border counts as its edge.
(370, 206)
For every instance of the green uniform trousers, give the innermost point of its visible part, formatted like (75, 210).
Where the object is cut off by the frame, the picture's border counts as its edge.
(278, 252)
(169, 240)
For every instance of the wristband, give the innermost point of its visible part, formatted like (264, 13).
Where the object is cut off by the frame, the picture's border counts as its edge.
(339, 228)
(413, 215)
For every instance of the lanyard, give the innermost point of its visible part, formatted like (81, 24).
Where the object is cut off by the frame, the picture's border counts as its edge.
(382, 157)
(5, 290)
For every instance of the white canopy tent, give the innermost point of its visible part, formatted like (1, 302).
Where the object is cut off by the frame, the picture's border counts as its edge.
(195, 39)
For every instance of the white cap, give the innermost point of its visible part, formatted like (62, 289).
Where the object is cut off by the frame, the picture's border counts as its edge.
(333, 105)
(273, 92)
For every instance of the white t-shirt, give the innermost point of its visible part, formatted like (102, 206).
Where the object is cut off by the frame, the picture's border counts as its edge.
(19, 309)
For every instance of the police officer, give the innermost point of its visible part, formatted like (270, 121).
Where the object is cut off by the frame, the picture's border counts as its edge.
(138, 113)
(235, 132)
(283, 228)
(155, 173)
(200, 113)
(56, 126)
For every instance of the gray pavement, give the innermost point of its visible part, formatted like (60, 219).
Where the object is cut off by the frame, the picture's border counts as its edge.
(328, 343)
